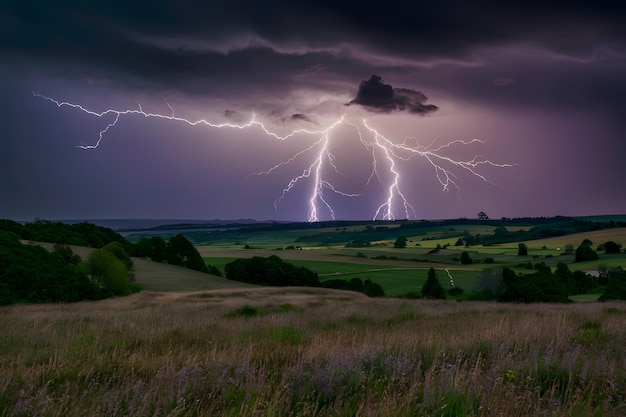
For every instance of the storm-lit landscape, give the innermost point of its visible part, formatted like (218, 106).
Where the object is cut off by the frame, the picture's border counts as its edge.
(312, 209)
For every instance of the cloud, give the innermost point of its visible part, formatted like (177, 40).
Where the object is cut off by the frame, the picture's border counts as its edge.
(376, 96)
(303, 117)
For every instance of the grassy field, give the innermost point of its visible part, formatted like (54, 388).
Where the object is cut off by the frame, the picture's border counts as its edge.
(310, 352)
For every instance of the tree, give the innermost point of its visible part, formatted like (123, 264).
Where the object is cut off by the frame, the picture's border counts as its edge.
(432, 289)
(616, 287)
(400, 242)
(66, 253)
(500, 232)
(108, 271)
(483, 216)
(567, 277)
(522, 249)
(159, 249)
(180, 251)
(585, 252)
(466, 258)
(117, 249)
(611, 247)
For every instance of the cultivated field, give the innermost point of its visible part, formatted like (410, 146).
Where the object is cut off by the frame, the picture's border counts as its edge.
(310, 352)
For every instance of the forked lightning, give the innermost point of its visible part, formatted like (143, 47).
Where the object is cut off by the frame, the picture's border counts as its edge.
(385, 154)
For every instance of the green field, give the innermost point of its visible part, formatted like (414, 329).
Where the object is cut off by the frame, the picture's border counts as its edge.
(401, 271)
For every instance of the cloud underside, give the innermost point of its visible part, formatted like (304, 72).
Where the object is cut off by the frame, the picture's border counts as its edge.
(376, 96)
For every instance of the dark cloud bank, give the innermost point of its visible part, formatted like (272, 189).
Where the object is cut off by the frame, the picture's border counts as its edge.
(554, 67)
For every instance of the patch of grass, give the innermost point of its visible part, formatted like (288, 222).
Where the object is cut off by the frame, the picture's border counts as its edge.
(287, 335)
(246, 310)
(590, 334)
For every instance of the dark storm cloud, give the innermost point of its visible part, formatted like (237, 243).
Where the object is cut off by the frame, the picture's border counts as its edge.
(377, 96)
(144, 44)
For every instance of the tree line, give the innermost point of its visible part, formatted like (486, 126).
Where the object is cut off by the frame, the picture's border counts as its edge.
(273, 271)
(32, 274)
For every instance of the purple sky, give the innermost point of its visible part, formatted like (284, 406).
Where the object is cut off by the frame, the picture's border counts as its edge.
(542, 87)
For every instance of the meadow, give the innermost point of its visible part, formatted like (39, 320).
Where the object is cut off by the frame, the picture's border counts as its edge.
(310, 352)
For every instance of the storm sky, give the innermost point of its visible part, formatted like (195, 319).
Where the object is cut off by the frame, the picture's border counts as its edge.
(543, 87)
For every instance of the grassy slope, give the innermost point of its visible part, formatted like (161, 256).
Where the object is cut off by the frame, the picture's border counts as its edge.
(155, 276)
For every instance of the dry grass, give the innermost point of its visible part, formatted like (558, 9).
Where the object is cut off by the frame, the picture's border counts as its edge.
(617, 235)
(310, 352)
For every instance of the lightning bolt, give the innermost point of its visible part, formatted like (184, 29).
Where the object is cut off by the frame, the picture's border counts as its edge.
(385, 154)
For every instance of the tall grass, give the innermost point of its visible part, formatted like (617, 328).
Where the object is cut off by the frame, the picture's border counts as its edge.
(310, 352)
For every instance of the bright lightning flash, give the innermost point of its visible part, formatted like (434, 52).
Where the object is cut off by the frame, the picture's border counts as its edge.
(385, 154)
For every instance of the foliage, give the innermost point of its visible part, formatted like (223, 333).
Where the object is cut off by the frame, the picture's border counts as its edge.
(177, 251)
(29, 273)
(180, 251)
(66, 253)
(432, 288)
(541, 286)
(611, 247)
(79, 234)
(109, 272)
(466, 259)
(616, 286)
(271, 271)
(367, 287)
(585, 252)
(400, 242)
(522, 249)
(118, 251)
(577, 282)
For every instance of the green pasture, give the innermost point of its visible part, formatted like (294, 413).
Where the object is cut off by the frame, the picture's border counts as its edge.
(395, 280)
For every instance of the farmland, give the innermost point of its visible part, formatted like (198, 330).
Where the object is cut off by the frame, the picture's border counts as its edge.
(403, 270)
